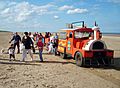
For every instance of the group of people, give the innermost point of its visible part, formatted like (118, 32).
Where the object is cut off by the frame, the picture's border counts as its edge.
(28, 41)
(53, 43)
(28, 44)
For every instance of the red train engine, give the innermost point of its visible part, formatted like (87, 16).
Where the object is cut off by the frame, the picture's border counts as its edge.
(84, 45)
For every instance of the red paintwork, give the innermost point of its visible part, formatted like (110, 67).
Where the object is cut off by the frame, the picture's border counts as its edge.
(76, 44)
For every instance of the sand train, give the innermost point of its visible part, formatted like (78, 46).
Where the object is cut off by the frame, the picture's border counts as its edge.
(84, 45)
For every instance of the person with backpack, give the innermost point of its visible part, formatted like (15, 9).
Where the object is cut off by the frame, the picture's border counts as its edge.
(27, 42)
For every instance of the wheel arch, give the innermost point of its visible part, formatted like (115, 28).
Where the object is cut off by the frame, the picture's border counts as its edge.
(75, 54)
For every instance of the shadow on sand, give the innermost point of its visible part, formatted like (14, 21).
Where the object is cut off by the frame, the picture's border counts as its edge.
(34, 62)
(115, 66)
(44, 53)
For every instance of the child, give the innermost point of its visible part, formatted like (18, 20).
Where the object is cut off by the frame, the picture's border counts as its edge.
(11, 51)
(50, 47)
(40, 47)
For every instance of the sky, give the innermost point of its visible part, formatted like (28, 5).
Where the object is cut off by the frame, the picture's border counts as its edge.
(53, 15)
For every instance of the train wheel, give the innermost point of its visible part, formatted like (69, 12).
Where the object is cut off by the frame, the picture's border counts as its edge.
(79, 59)
(64, 55)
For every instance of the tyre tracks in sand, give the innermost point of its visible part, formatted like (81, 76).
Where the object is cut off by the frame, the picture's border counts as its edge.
(103, 75)
(98, 71)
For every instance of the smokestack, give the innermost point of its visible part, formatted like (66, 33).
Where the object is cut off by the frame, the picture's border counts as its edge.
(95, 23)
(96, 29)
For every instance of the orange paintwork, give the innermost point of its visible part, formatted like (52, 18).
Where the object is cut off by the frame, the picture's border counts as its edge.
(72, 45)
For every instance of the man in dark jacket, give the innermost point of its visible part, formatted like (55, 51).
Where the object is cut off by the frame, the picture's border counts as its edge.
(27, 42)
(17, 39)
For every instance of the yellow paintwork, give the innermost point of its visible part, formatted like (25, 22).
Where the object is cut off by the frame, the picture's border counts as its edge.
(69, 45)
(60, 48)
(62, 43)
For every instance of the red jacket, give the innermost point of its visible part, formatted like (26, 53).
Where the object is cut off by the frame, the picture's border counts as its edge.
(40, 45)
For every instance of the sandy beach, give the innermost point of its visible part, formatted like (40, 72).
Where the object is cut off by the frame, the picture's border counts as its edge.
(55, 72)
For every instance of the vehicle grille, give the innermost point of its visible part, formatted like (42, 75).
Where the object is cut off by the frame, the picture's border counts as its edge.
(99, 54)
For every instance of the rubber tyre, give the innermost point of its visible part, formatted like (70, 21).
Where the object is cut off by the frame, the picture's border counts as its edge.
(79, 59)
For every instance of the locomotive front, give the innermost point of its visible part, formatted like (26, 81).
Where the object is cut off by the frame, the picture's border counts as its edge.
(94, 51)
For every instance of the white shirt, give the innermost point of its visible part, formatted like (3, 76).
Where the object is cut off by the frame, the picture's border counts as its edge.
(11, 51)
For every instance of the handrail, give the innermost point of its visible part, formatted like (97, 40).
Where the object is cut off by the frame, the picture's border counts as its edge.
(79, 22)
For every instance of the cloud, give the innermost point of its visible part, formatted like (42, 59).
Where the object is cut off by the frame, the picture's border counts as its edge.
(77, 11)
(17, 11)
(72, 9)
(44, 9)
(22, 16)
(26, 16)
(22, 11)
(47, 6)
(114, 1)
(5, 11)
(65, 7)
(110, 1)
(56, 17)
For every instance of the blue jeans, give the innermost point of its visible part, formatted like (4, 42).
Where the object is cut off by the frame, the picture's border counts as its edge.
(40, 55)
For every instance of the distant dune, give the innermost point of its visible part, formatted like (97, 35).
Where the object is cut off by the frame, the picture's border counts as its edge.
(4, 31)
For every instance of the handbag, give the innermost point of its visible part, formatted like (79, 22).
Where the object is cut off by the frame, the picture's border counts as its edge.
(22, 47)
